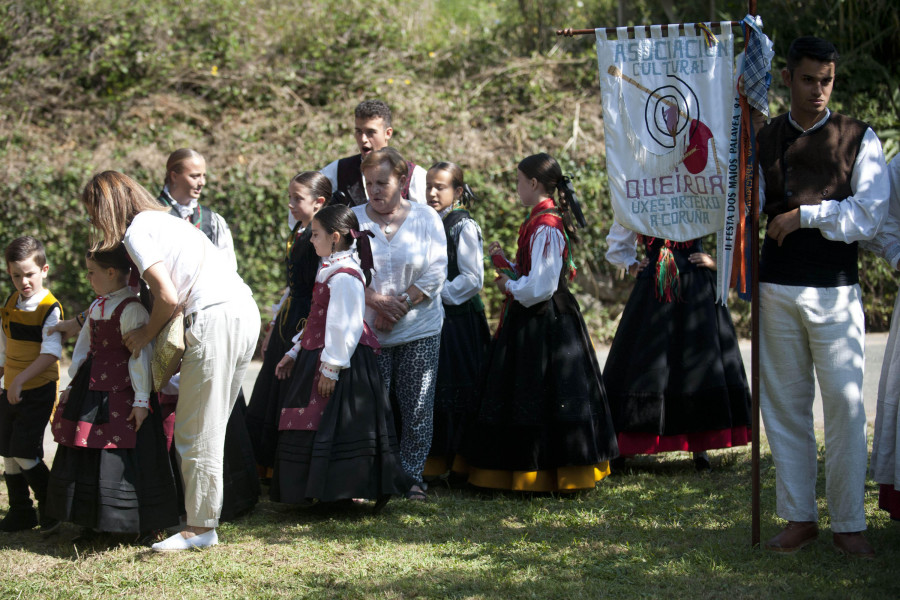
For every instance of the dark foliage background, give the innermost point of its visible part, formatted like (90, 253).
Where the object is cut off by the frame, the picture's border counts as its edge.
(266, 88)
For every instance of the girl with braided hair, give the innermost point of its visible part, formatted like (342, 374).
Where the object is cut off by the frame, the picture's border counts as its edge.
(543, 424)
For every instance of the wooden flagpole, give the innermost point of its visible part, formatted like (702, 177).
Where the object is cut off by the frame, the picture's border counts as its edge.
(754, 347)
(754, 304)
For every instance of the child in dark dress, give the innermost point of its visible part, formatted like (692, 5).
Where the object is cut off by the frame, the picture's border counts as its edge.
(111, 472)
(336, 436)
(307, 193)
(543, 424)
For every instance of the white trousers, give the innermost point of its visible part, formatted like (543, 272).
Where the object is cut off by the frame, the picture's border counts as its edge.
(219, 345)
(803, 329)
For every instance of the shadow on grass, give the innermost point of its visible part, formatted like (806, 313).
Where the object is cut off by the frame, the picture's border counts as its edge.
(659, 530)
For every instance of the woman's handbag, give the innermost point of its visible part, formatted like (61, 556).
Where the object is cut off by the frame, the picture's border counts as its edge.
(167, 351)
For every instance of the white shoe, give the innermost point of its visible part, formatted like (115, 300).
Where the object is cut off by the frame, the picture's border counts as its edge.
(177, 542)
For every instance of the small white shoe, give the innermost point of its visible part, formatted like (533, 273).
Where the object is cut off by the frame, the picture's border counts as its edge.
(177, 542)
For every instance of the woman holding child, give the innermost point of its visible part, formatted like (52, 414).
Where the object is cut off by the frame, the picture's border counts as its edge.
(403, 304)
(183, 269)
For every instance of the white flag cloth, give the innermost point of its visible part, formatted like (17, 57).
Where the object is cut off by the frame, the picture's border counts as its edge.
(667, 107)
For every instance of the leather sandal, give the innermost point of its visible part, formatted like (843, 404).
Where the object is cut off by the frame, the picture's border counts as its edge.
(853, 544)
(416, 493)
(794, 536)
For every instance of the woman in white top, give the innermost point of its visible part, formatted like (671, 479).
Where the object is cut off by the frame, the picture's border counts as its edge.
(885, 462)
(183, 269)
(403, 304)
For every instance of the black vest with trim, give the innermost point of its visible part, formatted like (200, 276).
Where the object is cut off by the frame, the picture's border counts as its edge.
(350, 182)
(452, 219)
(805, 168)
(201, 219)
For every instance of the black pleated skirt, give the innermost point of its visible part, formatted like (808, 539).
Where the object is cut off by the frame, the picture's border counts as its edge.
(265, 401)
(116, 490)
(675, 368)
(354, 453)
(465, 337)
(543, 405)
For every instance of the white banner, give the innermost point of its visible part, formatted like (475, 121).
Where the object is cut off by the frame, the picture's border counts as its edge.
(667, 116)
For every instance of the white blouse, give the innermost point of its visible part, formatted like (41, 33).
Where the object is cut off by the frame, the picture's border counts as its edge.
(546, 264)
(133, 316)
(622, 244)
(344, 319)
(51, 343)
(193, 263)
(886, 242)
(221, 234)
(416, 255)
(470, 261)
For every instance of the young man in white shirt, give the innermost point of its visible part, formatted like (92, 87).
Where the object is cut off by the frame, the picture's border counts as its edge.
(824, 187)
(372, 131)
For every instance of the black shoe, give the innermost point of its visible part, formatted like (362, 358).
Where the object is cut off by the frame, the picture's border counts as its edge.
(86, 536)
(381, 503)
(701, 462)
(21, 515)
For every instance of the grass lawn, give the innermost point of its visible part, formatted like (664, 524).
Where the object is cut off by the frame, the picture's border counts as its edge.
(659, 530)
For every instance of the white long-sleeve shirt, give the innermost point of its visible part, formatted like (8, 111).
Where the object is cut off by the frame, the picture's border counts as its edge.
(51, 343)
(622, 244)
(469, 261)
(415, 255)
(346, 309)
(546, 264)
(859, 216)
(133, 316)
(886, 242)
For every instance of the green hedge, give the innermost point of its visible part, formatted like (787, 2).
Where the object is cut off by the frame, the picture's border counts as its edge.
(267, 89)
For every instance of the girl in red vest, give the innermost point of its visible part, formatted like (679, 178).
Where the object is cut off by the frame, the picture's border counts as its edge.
(544, 423)
(336, 436)
(111, 472)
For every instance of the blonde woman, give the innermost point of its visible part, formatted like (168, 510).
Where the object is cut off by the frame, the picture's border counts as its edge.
(183, 269)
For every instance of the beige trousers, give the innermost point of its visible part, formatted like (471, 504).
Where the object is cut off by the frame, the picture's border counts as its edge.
(220, 342)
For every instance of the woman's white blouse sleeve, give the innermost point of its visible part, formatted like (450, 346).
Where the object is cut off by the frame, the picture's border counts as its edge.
(133, 316)
(622, 244)
(886, 242)
(546, 264)
(344, 322)
(470, 261)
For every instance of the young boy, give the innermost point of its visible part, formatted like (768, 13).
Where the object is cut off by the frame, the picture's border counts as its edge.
(372, 131)
(29, 364)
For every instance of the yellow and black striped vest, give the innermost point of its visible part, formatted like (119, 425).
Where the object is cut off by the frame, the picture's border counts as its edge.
(24, 334)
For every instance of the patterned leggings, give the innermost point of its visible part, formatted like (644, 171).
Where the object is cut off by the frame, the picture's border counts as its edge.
(411, 369)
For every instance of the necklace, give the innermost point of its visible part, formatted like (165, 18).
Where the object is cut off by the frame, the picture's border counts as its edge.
(388, 230)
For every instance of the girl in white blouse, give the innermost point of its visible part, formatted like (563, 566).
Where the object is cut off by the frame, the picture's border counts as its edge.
(543, 424)
(403, 304)
(107, 424)
(465, 335)
(336, 436)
